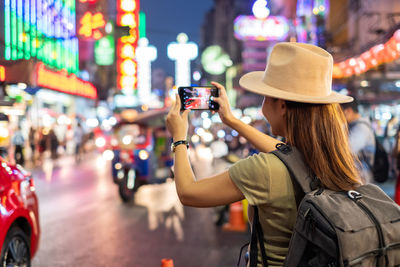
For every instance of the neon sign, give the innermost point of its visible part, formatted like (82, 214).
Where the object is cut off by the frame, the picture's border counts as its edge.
(250, 28)
(127, 15)
(42, 29)
(62, 82)
(91, 25)
(2, 73)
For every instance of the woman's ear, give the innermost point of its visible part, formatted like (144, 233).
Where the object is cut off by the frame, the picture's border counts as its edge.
(282, 108)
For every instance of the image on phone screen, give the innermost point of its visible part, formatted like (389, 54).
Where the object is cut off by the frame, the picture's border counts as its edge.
(198, 97)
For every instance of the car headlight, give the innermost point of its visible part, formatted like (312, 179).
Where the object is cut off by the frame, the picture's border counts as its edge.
(143, 154)
(100, 142)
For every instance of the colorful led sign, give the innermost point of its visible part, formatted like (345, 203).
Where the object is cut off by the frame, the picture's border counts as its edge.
(127, 15)
(378, 54)
(62, 82)
(43, 29)
(92, 25)
(2, 73)
(250, 28)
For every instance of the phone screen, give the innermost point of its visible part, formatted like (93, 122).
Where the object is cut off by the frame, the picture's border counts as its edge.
(198, 97)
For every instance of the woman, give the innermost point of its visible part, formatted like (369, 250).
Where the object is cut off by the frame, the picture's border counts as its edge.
(300, 106)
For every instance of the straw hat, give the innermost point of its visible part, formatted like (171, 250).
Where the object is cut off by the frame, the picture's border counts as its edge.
(296, 72)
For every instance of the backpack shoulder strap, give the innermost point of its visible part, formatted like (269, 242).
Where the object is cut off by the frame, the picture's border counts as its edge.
(299, 172)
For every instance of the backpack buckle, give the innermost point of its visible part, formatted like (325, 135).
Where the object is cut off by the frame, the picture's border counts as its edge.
(354, 195)
(284, 148)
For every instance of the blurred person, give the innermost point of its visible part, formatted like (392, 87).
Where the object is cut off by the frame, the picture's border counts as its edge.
(361, 139)
(300, 106)
(389, 142)
(18, 142)
(78, 139)
(396, 157)
(53, 144)
(32, 138)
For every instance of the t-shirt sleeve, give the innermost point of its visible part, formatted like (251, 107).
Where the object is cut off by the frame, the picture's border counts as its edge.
(253, 176)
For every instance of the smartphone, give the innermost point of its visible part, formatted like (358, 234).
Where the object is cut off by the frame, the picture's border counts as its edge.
(198, 97)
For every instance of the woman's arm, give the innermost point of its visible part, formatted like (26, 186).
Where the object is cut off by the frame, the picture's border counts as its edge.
(259, 140)
(208, 192)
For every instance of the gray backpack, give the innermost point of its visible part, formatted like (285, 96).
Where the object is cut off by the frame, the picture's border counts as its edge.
(356, 228)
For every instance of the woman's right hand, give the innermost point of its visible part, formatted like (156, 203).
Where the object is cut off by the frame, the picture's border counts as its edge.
(224, 111)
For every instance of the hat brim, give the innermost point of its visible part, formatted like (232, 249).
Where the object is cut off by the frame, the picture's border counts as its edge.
(253, 82)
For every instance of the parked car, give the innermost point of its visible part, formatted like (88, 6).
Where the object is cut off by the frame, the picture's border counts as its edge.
(19, 216)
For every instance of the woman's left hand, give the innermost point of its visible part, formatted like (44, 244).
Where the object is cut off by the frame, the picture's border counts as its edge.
(177, 123)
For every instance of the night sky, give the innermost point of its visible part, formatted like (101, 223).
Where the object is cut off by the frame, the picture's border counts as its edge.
(165, 19)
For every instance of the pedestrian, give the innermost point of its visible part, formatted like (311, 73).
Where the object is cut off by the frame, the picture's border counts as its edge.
(53, 144)
(361, 139)
(300, 106)
(78, 139)
(396, 157)
(32, 138)
(18, 141)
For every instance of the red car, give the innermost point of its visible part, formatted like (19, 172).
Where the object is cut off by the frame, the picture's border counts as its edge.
(19, 216)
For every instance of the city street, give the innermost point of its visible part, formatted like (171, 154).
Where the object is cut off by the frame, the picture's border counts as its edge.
(84, 222)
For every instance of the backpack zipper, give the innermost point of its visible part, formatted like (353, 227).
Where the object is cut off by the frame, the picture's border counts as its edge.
(356, 197)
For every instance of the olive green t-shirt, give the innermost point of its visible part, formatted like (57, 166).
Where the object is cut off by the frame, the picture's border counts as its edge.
(265, 182)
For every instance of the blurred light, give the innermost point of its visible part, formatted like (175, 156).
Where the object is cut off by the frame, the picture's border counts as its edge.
(246, 119)
(145, 107)
(131, 179)
(260, 9)
(127, 139)
(118, 166)
(386, 116)
(63, 119)
(196, 76)
(352, 62)
(207, 137)
(100, 142)
(315, 11)
(221, 133)
(112, 120)
(92, 123)
(120, 174)
(195, 138)
(204, 115)
(364, 83)
(22, 86)
(108, 28)
(207, 123)
(143, 154)
(397, 83)
(216, 119)
(108, 154)
(199, 131)
(234, 133)
(114, 142)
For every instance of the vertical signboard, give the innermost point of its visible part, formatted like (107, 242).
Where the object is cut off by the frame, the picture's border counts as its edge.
(128, 16)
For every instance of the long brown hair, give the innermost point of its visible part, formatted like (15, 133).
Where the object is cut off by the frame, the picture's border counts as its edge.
(319, 131)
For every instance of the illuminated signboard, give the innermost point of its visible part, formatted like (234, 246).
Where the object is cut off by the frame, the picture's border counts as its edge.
(2, 73)
(145, 54)
(104, 50)
(251, 28)
(43, 29)
(182, 52)
(92, 25)
(127, 15)
(62, 82)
